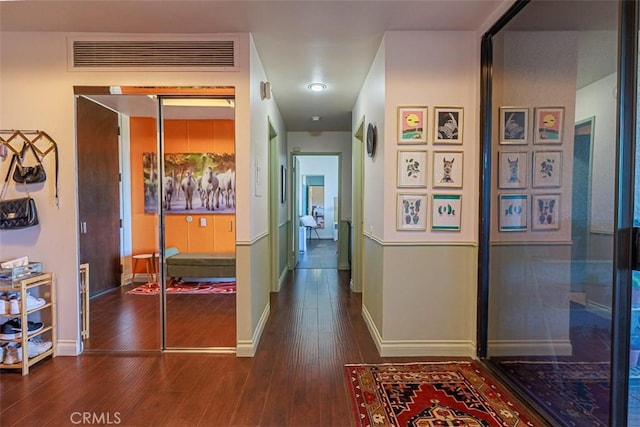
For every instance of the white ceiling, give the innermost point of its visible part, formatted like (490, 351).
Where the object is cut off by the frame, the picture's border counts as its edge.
(298, 41)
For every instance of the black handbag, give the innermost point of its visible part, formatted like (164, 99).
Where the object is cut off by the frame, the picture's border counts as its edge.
(18, 213)
(28, 174)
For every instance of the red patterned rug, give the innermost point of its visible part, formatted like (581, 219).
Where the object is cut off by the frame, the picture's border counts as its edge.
(187, 288)
(431, 394)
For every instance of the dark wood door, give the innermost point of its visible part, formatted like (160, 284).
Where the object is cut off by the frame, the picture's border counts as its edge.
(99, 194)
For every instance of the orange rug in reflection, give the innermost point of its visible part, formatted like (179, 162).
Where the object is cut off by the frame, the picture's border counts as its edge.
(187, 288)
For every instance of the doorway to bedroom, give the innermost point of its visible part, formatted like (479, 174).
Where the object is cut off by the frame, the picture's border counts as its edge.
(317, 207)
(176, 183)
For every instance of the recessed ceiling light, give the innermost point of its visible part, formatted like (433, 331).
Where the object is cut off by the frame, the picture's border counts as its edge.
(316, 87)
(315, 118)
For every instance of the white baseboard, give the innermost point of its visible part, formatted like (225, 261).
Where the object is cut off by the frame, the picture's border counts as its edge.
(68, 348)
(281, 279)
(415, 348)
(248, 348)
(530, 348)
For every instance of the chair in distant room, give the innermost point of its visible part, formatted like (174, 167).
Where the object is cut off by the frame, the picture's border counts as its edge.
(310, 223)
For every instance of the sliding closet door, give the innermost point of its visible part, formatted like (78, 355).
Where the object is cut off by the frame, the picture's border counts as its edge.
(198, 175)
(118, 208)
(552, 205)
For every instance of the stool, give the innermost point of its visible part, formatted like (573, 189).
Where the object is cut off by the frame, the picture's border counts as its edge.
(150, 263)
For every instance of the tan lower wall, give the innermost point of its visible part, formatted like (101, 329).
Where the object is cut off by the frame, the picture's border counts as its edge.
(420, 300)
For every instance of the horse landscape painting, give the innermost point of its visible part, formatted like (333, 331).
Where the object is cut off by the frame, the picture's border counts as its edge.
(202, 183)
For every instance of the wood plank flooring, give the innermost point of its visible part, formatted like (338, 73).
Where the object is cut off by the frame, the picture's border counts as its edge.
(295, 379)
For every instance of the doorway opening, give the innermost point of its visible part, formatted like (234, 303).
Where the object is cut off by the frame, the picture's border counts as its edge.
(175, 198)
(317, 208)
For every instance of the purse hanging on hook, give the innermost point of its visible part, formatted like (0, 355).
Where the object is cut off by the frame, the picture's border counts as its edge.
(17, 213)
(28, 174)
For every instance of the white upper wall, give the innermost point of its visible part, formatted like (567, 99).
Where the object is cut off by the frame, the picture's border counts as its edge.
(432, 69)
(598, 100)
(370, 105)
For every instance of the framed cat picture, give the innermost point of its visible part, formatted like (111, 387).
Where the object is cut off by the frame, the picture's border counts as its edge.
(512, 169)
(447, 169)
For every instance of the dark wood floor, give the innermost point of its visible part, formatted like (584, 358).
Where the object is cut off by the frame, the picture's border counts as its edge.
(320, 253)
(125, 322)
(295, 379)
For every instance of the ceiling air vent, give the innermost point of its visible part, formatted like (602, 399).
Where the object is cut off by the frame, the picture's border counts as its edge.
(149, 54)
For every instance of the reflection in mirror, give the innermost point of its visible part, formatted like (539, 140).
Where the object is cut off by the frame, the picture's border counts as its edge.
(551, 243)
(195, 221)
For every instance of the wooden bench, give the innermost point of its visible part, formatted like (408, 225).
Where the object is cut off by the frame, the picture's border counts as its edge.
(199, 264)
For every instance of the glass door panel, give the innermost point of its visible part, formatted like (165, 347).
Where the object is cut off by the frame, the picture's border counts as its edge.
(552, 201)
(198, 176)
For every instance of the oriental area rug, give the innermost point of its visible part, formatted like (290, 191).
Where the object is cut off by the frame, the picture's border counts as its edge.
(577, 392)
(431, 394)
(187, 288)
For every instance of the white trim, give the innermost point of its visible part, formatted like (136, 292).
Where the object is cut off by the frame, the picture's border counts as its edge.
(530, 348)
(68, 348)
(414, 348)
(282, 278)
(252, 241)
(248, 348)
(531, 243)
(210, 350)
(417, 242)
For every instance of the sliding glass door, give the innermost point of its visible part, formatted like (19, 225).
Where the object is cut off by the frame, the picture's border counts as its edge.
(554, 275)
(198, 220)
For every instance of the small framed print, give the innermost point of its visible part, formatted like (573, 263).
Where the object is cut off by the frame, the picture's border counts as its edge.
(514, 122)
(545, 212)
(412, 125)
(512, 171)
(547, 168)
(445, 212)
(447, 125)
(412, 168)
(412, 211)
(513, 212)
(548, 125)
(447, 169)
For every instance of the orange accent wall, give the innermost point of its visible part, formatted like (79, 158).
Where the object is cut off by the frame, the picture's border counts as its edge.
(181, 136)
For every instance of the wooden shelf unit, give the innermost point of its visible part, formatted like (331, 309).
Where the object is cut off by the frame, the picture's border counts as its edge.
(41, 281)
